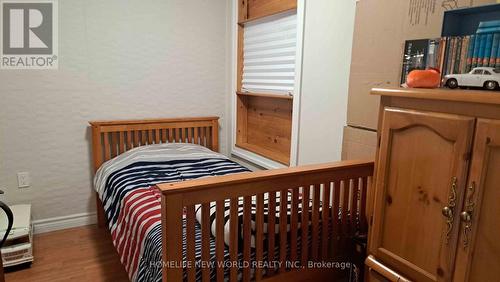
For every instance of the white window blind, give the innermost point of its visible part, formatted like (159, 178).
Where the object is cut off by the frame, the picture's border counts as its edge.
(269, 48)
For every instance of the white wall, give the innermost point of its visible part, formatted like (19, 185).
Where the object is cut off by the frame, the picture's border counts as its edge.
(118, 60)
(328, 35)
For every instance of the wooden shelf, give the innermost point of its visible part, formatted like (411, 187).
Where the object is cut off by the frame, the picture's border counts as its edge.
(257, 9)
(283, 10)
(265, 95)
(457, 95)
(264, 126)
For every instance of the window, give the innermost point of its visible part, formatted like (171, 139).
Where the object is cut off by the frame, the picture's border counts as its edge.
(269, 55)
(487, 72)
(478, 72)
(267, 43)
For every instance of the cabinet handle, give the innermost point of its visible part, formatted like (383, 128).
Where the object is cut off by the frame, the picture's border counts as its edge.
(466, 215)
(448, 211)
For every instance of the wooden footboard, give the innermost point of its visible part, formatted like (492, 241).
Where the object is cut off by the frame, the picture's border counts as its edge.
(342, 185)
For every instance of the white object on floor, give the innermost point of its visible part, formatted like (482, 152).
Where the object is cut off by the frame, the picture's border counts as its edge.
(18, 248)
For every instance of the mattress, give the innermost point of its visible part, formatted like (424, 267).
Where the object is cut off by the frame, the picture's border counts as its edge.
(132, 204)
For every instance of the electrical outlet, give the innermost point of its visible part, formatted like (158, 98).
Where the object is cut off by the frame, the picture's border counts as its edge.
(23, 180)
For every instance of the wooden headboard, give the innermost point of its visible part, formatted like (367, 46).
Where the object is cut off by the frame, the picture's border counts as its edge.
(112, 138)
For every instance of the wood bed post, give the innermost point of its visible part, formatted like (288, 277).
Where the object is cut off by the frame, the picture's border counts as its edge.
(97, 159)
(215, 135)
(171, 230)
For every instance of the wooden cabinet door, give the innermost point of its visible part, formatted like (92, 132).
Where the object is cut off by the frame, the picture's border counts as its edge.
(478, 254)
(421, 169)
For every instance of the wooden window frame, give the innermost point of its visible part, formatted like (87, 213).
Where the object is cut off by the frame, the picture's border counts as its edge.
(276, 147)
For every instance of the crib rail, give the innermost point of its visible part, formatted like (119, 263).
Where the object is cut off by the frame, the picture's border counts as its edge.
(326, 208)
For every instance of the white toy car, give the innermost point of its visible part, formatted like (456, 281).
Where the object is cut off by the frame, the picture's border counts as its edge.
(488, 78)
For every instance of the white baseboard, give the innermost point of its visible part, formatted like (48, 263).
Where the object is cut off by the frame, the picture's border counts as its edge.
(64, 222)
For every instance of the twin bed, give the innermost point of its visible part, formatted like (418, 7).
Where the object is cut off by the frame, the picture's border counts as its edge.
(171, 220)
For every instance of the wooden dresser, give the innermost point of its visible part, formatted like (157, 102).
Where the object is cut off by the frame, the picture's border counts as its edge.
(435, 208)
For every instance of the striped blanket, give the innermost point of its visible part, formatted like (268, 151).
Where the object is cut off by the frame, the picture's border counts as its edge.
(132, 207)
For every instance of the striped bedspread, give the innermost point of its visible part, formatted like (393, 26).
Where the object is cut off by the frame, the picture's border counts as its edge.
(133, 208)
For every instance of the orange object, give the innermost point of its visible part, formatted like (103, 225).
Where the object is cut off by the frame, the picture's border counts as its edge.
(430, 78)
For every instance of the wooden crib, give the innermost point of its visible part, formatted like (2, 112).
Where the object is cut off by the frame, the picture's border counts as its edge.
(344, 185)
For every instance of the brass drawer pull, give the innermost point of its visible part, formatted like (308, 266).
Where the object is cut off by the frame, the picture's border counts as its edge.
(448, 211)
(466, 216)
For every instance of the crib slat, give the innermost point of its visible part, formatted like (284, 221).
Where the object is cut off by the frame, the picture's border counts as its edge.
(107, 154)
(177, 135)
(259, 229)
(157, 136)
(190, 135)
(196, 138)
(202, 136)
(283, 227)
(325, 229)
(247, 205)
(220, 239)
(183, 135)
(113, 138)
(271, 228)
(130, 142)
(362, 205)
(163, 135)
(209, 137)
(305, 226)
(233, 237)
(144, 137)
(170, 135)
(315, 222)
(353, 207)
(336, 232)
(121, 142)
(205, 240)
(137, 143)
(345, 209)
(150, 137)
(190, 239)
(294, 225)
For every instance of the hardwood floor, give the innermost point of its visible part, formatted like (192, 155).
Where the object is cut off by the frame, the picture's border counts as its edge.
(77, 254)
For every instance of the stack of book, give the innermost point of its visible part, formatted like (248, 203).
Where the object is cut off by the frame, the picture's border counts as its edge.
(462, 53)
(419, 55)
(457, 54)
